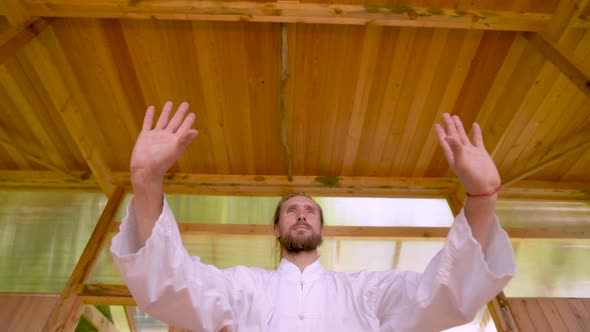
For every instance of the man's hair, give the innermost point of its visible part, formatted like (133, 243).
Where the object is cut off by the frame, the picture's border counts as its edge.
(277, 215)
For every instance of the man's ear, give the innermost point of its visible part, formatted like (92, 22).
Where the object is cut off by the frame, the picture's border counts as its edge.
(277, 231)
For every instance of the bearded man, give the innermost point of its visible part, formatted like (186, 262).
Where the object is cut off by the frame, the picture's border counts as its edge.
(475, 263)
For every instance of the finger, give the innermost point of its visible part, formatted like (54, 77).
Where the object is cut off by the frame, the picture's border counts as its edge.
(148, 118)
(178, 117)
(187, 137)
(449, 125)
(442, 140)
(187, 123)
(477, 136)
(163, 120)
(461, 130)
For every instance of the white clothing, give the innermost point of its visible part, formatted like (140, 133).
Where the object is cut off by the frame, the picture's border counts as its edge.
(182, 291)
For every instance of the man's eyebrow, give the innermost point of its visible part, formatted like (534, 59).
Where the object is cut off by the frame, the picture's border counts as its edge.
(306, 205)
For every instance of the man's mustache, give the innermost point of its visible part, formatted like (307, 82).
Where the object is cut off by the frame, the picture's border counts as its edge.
(301, 223)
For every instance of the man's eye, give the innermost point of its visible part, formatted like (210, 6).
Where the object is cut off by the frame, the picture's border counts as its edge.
(291, 211)
(311, 211)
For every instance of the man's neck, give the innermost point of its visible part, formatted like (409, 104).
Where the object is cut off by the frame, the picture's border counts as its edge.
(301, 259)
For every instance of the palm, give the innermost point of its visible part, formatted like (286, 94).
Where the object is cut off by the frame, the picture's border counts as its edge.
(157, 149)
(470, 161)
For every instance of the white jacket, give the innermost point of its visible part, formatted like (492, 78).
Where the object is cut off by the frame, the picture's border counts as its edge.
(182, 291)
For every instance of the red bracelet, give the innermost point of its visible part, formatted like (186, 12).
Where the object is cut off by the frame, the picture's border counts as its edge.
(490, 193)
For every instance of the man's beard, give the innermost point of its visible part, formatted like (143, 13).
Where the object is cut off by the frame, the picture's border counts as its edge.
(297, 244)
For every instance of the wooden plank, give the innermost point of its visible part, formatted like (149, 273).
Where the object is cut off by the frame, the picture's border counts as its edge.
(46, 56)
(567, 146)
(537, 316)
(12, 40)
(370, 50)
(566, 14)
(291, 12)
(521, 316)
(540, 232)
(96, 318)
(276, 185)
(106, 294)
(66, 312)
(40, 161)
(15, 11)
(567, 314)
(457, 76)
(25, 312)
(286, 96)
(315, 185)
(573, 68)
(551, 314)
(581, 313)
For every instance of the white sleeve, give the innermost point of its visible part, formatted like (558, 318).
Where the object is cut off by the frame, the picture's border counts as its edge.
(169, 284)
(457, 282)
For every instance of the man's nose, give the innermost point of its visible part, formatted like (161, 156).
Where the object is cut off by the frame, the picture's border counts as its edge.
(301, 216)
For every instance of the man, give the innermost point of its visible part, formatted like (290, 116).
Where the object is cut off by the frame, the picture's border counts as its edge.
(474, 265)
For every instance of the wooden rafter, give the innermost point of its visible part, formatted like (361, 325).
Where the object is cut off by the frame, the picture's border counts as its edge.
(68, 309)
(577, 71)
(15, 11)
(13, 39)
(96, 318)
(567, 146)
(40, 161)
(48, 61)
(291, 12)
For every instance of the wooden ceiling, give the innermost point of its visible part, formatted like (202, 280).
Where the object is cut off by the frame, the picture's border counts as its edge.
(330, 98)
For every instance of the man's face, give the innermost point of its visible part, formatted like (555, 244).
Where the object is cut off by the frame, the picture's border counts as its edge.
(299, 228)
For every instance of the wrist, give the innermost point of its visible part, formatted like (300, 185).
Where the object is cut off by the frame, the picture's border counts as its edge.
(490, 193)
(144, 178)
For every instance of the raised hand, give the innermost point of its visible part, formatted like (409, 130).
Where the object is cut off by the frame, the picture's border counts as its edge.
(157, 149)
(470, 161)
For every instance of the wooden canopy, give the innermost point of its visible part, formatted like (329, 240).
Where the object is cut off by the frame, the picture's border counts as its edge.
(331, 98)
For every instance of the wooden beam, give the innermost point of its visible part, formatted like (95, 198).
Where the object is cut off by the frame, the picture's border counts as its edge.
(47, 181)
(130, 319)
(12, 40)
(96, 318)
(567, 146)
(567, 14)
(66, 313)
(286, 95)
(573, 68)
(49, 62)
(296, 12)
(277, 185)
(273, 185)
(15, 12)
(539, 232)
(40, 161)
(501, 314)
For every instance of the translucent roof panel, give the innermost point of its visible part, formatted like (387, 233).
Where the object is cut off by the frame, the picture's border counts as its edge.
(529, 213)
(42, 235)
(551, 269)
(346, 211)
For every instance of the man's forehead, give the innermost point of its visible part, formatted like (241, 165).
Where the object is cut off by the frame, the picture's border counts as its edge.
(300, 200)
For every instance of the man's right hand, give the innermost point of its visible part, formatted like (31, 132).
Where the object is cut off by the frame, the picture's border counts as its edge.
(157, 149)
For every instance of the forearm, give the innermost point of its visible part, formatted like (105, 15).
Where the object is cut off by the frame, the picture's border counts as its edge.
(479, 212)
(148, 198)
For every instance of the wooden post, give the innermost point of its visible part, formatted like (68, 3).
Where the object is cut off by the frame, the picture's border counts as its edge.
(67, 311)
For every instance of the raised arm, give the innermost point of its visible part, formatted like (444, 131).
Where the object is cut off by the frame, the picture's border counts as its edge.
(474, 166)
(155, 151)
